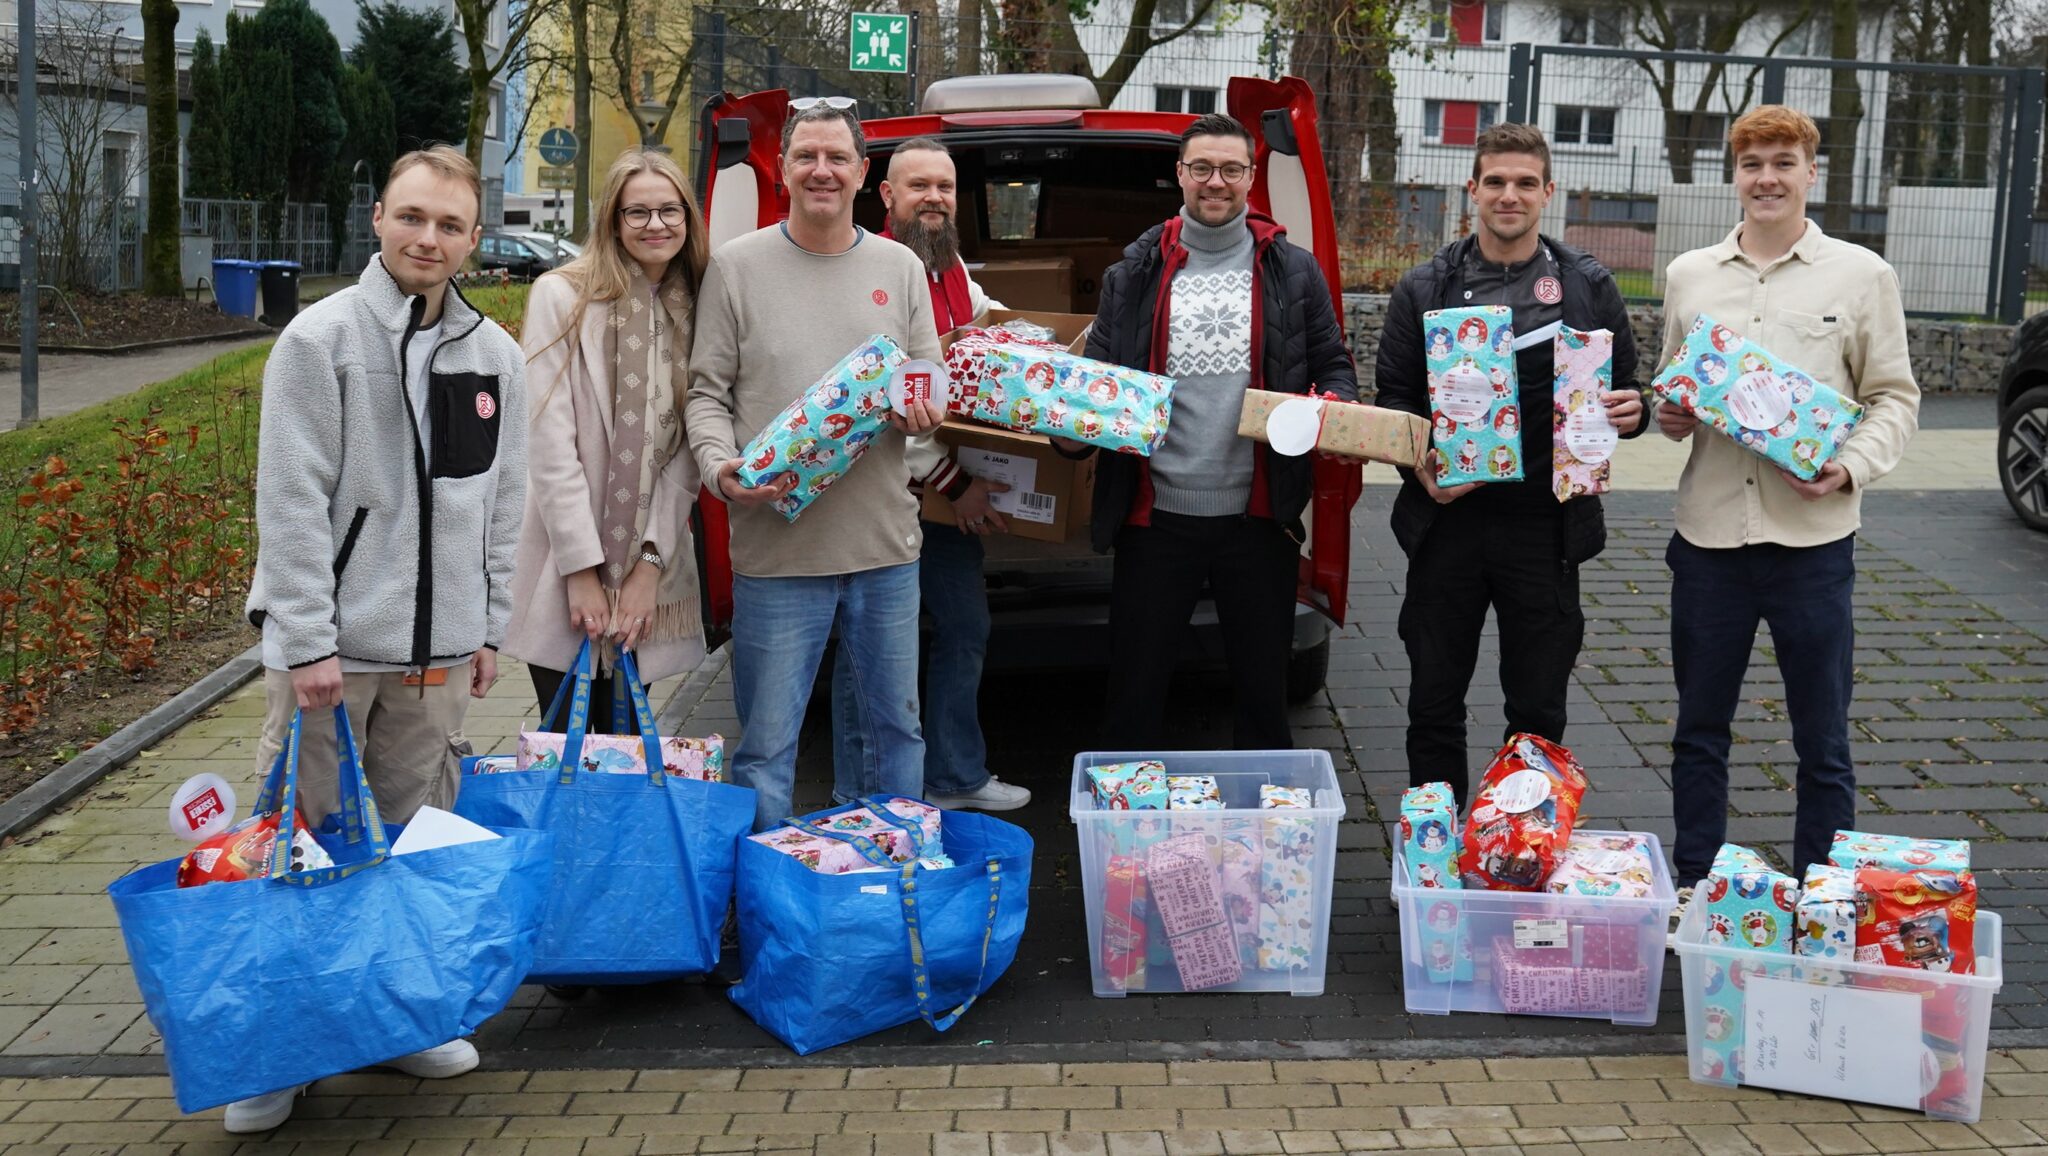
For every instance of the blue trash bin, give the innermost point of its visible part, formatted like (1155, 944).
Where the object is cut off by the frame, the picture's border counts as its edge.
(234, 286)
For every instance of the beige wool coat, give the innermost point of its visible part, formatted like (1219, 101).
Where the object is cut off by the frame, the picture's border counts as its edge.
(569, 387)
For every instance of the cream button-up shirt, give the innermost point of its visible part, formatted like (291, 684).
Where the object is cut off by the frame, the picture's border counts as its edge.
(1830, 308)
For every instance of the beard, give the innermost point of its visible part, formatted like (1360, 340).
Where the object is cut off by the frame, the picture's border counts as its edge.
(938, 246)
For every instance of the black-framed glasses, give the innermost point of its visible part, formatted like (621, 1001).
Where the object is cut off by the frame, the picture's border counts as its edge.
(1203, 170)
(672, 215)
(806, 103)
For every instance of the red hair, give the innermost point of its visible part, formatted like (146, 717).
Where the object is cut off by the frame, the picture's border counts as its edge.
(1774, 124)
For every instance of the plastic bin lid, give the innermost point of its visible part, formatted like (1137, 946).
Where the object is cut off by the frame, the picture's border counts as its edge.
(277, 264)
(236, 263)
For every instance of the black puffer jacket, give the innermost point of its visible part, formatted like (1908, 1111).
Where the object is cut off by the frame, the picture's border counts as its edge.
(1298, 342)
(1591, 301)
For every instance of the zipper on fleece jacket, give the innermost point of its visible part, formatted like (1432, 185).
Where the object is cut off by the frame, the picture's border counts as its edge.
(423, 590)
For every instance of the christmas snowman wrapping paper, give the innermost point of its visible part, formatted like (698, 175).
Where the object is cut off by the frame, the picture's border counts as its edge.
(1858, 849)
(1751, 906)
(1768, 406)
(827, 428)
(1038, 387)
(1475, 415)
(1582, 436)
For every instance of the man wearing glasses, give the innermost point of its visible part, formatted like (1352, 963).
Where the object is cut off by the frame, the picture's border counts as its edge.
(1217, 299)
(781, 306)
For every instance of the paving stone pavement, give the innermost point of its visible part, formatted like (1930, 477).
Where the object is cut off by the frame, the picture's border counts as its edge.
(1602, 1106)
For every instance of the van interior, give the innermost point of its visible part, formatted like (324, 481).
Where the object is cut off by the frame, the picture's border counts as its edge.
(1040, 219)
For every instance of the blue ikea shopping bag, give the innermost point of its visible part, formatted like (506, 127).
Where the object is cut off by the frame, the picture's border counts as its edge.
(643, 863)
(832, 958)
(267, 983)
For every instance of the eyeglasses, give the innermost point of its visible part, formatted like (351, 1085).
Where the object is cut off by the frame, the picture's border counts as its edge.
(806, 103)
(638, 216)
(1203, 170)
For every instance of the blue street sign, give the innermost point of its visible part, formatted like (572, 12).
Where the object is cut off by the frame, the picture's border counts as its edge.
(558, 146)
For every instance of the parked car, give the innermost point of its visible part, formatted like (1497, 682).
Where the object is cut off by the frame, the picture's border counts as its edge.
(1046, 173)
(2023, 422)
(517, 255)
(565, 250)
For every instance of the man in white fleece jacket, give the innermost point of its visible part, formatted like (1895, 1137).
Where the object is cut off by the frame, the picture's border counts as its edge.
(920, 195)
(389, 484)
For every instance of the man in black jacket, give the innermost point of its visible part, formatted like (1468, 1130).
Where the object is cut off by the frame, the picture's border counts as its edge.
(1219, 300)
(1511, 545)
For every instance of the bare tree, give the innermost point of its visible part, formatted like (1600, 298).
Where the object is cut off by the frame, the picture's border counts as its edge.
(1041, 36)
(1686, 92)
(485, 64)
(652, 52)
(160, 277)
(90, 108)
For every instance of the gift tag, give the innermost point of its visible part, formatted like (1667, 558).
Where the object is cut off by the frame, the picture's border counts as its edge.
(1464, 394)
(1760, 400)
(917, 380)
(202, 808)
(1294, 425)
(1589, 434)
(1525, 790)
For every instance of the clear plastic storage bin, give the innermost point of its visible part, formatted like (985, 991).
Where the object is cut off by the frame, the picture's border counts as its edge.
(1898, 1036)
(1276, 901)
(1534, 953)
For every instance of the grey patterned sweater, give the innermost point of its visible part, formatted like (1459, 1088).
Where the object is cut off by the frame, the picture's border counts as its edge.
(1204, 469)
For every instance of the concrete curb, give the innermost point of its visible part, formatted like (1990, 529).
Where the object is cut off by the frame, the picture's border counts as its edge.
(146, 346)
(66, 783)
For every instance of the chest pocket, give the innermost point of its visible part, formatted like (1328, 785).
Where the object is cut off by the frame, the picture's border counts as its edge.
(463, 411)
(1811, 342)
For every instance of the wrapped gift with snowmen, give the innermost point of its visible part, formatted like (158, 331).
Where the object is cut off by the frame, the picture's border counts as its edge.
(827, 428)
(1768, 406)
(1475, 418)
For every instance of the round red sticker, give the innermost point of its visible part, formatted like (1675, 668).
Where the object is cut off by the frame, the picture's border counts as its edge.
(881, 298)
(486, 405)
(1549, 291)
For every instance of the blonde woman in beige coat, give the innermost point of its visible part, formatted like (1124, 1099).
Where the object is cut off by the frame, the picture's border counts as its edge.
(605, 552)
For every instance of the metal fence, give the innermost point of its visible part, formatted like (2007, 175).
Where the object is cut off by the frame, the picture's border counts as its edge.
(95, 244)
(263, 231)
(1638, 136)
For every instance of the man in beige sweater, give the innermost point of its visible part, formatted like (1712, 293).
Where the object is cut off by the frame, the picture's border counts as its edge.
(780, 307)
(1755, 543)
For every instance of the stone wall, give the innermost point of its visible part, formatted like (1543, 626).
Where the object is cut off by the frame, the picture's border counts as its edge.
(1948, 356)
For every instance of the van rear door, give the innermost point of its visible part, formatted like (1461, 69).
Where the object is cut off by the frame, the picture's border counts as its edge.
(1291, 186)
(739, 179)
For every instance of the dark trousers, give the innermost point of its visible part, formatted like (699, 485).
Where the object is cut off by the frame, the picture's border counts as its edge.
(1248, 566)
(546, 682)
(1717, 599)
(1473, 557)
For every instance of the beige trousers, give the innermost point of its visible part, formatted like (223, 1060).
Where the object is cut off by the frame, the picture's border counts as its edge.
(410, 742)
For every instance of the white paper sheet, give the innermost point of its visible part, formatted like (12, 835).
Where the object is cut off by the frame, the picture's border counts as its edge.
(1843, 1043)
(431, 828)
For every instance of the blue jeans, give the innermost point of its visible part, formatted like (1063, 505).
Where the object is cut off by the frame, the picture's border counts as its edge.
(1717, 599)
(779, 630)
(955, 754)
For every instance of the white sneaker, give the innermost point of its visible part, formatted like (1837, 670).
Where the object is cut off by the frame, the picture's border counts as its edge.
(439, 1063)
(262, 1113)
(994, 795)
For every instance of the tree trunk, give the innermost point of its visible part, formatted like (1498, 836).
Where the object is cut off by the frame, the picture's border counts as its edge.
(1343, 49)
(160, 275)
(1977, 102)
(580, 115)
(1024, 43)
(476, 17)
(967, 39)
(1845, 116)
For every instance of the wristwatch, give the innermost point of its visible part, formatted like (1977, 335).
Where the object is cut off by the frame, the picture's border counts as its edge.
(652, 559)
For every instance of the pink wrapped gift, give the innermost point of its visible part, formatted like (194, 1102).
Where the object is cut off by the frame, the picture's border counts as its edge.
(1600, 972)
(684, 758)
(1604, 863)
(824, 855)
(1582, 437)
(892, 839)
(1188, 895)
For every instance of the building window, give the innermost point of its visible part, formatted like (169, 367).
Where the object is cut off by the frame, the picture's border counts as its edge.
(1457, 122)
(1707, 132)
(1700, 30)
(1601, 26)
(1200, 101)
(494, 126)
(1575, 125)
(1466, 21)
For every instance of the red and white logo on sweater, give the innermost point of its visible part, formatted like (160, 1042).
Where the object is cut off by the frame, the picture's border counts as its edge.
(881, 297)
(486, 405)
(1549, 291)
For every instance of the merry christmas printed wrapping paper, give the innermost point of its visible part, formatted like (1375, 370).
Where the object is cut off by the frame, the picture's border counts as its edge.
(1582, 437)
(1856, 849)
(1601, 971)
(1187, 893)
(1475, 418)
(1037, 387)
(1768, 406)
(683, 758)
(826, 429)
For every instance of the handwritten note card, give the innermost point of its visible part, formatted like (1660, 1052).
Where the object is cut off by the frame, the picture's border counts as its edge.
(1842, 1043)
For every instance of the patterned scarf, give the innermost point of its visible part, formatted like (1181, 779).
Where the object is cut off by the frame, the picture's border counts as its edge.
(648, 350)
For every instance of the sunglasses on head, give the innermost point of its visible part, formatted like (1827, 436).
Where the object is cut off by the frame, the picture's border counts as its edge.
(806, 103)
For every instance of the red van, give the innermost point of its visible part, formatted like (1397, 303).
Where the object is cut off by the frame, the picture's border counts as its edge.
(1052, 188)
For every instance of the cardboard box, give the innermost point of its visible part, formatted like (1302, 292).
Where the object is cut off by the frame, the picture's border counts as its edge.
(1350, 429)
(1069, 329)
(1042, 282)
(1050, 496)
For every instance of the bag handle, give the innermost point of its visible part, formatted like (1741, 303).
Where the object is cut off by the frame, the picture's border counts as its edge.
(906, 892)
(359, 818)
(625, 685)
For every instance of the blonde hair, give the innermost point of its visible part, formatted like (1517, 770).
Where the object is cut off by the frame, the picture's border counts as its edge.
(602, 272)
(449, 162)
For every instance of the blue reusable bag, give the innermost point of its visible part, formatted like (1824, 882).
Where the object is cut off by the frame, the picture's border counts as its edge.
(832, 958)
(263, 984)
(644, 864)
